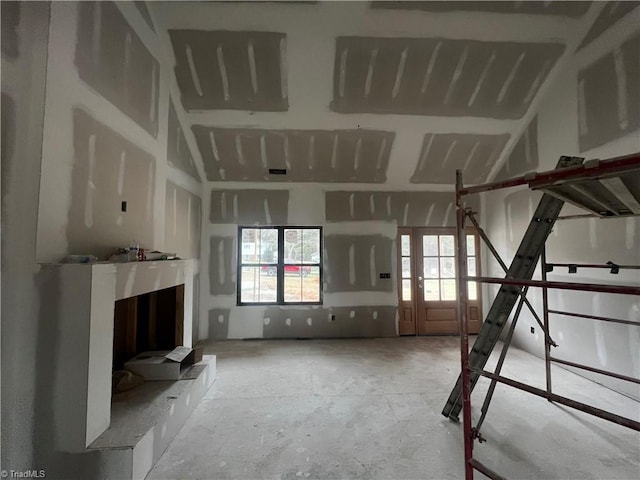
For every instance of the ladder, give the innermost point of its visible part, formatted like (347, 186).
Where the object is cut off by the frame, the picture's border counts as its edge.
(521, 268)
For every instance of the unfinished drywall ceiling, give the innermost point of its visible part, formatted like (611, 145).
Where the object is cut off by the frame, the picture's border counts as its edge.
(231, 70)
(610, 14)
(305, 155)
(413, 69)
(436, 76)
(443, 154)
(524, 156)
(608, 95)
(563, 8)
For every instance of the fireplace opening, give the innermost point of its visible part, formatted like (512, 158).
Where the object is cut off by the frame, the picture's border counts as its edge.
(152, 321)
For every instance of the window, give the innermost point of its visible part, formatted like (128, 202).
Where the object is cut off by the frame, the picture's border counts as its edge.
(279, 265)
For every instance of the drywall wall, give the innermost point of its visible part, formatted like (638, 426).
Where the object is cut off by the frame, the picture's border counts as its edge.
(24, 59)
(183, 220)
(47, 171)
(560, 132)
(108, 109)
(359, 229)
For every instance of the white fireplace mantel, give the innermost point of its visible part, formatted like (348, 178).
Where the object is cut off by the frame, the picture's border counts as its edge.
(83, 302)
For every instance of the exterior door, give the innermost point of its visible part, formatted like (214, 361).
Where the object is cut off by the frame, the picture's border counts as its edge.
(428, 291)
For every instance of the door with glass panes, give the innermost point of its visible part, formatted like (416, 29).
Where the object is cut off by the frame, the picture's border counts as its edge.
(427, 291)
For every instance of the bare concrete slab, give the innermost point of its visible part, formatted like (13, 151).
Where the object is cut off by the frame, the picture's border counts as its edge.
(435, 76)
(370, 409)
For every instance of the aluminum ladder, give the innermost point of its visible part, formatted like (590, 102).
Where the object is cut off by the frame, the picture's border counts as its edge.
(521, 268)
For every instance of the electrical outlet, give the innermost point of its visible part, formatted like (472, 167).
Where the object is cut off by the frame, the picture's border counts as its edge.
(332, 318)
(533, 330)
(385, 275)
(123, 206)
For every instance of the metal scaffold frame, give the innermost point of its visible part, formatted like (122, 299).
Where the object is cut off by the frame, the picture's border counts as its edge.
(552, 182)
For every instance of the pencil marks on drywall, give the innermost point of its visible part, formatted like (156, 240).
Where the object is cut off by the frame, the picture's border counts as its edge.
(566, 9)
(236, 154)
(249, 207)
(354, 262)
(356, 321)
(444, 77)
(608, 95)
(231, 70)
(609, 16)
(407, 209)
(222, 267)
(182, 227)
(442, 154)
(97, 222)
(524, 156)
(112, 59)
(10, 20)
(178, 151)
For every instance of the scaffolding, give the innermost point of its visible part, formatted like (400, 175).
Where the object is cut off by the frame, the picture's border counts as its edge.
(606, 189)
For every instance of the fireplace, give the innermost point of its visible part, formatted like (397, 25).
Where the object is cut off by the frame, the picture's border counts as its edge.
(150, 321)
(105, 313)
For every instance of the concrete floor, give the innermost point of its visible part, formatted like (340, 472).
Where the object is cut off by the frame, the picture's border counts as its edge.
(370, 409)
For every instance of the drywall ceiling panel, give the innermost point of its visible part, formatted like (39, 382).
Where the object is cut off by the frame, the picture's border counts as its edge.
(524, 156)
(443, 154)
(231, 70)
(360, 156)
(112, 59)
(439, 77)
(407, 209)
(609, 15)
(178, 152)
(563, 8)
(608, 95)
(107, 171)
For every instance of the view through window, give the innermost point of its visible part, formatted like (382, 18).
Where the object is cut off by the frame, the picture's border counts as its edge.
(279, 265)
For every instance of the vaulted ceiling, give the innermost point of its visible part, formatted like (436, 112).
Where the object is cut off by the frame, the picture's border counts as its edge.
(392, 93)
